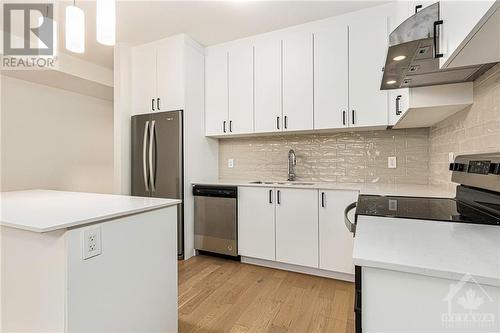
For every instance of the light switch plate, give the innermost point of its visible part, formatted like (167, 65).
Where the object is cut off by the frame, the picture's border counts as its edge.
(230, 163)
(391, 162)
(451, 157)
(92, 245)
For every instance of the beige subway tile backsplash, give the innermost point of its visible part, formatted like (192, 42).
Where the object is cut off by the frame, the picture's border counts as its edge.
(348, 157)
(473, 130)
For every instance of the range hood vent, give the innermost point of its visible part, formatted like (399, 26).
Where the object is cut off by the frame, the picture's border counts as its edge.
(413, 60)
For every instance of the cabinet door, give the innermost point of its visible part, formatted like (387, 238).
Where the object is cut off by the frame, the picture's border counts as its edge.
(459, 19)
(143, 79)
(216, 97)
(170, 88)
(298, 81)
(335, 241)
(331, 77)
(367, 51)
(398, 104)
(267, 59)
(256, 229)
(241, 88)
(297, 226)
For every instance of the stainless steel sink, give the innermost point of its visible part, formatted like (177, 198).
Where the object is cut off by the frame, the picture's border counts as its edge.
(260, 182)
(267, 183)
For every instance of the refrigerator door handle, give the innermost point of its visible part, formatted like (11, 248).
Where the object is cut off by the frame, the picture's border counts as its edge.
(144, 162)
(151, 174)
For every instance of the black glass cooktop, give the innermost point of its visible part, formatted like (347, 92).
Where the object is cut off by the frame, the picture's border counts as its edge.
(437, 209)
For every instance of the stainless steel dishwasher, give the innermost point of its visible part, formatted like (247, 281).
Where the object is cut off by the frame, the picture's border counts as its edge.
(215, 219)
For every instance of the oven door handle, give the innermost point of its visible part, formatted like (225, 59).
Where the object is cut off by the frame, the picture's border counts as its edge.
(350, 225)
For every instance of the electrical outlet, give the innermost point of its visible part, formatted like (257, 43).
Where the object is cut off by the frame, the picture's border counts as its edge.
(451, 157)
(91, 242)
(391, 162)
(230, 163)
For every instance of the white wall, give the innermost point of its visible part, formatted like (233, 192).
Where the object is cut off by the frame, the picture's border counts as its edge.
(54, 139)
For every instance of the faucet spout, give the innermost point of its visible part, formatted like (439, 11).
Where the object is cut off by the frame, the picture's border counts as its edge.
(292, 161)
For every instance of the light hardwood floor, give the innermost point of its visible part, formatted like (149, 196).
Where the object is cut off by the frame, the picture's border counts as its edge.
(219, 295)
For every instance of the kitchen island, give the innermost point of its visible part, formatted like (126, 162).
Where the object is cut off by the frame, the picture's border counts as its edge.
(88, 262)
(432, 276)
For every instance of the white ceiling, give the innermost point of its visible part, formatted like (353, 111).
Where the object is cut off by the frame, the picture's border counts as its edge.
(208, 22)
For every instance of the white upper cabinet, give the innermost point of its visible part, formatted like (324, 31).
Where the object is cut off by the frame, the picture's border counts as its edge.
(427, 106)
(170, 76)
(335, 241)
(331, 77)
(297, 81)
(322, 75)
(256, 233)
(297, 226)
(367, 51)
(461, 20)
(144, 79)
(267, 62)
(157, 76)
(216, 91)
(240, 57)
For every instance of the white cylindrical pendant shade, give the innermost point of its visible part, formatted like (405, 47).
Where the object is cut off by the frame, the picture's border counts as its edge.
(75, 29)
(106, 21)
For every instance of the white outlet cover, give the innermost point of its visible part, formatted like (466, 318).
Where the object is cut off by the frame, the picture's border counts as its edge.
(230, 163)
(391, 162)
(91, 243)
(451, 157)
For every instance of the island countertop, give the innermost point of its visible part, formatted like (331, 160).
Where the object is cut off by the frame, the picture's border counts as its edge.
(47, 210)
(440, 249)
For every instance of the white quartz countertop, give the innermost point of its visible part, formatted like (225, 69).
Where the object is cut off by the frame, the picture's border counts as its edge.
(44, 210)
(440, 249)
(371, 188)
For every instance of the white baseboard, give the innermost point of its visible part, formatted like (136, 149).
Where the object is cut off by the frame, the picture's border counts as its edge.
(298, 269)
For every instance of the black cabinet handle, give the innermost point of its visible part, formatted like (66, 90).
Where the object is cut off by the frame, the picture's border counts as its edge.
(158, 103)
(323, 199)
(286, 122)
(270, 196)
(398, 105)
(278, 122)
(152, 104)
(231, 126)
(357, 301)
(417, 7)
(343, 117)
(224, 126)
(435, 37)
(353, 118)
(279, 197)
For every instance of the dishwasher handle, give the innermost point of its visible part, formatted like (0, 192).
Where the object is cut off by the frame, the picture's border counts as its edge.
(351, 226)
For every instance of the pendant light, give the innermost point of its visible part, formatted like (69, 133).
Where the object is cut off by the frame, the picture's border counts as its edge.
(106, 21)
(75, 29)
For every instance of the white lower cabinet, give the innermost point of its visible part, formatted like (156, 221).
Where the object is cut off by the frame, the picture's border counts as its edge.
(335, 241)
(297, 226)
(256, 227)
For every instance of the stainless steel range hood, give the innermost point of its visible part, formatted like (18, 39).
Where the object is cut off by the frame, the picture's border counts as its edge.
(413, 55)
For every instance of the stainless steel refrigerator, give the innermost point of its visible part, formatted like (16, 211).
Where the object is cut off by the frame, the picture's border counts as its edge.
(157, 161)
